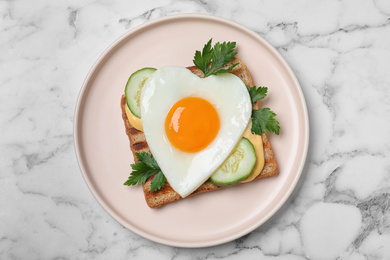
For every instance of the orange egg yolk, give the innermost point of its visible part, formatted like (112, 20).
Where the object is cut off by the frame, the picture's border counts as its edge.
(192, 124)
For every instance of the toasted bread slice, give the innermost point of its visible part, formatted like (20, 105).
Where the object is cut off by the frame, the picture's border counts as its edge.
(166, 194)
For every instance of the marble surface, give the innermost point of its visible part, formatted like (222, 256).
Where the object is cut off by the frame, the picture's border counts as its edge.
(340, 52)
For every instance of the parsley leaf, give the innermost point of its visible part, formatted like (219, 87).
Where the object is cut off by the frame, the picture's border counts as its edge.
(257, 93)
(139, 175)
(157, 182)
(214, 58)
(145, 168)
(263, 121)
(202, 60)
(148, 160)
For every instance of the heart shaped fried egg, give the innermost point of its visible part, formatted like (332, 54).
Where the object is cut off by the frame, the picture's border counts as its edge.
(192, 124)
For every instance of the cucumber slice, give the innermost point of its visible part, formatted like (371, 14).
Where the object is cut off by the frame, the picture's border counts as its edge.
(134, 88)
(237, 167)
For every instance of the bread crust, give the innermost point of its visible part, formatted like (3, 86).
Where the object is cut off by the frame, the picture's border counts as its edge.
(166, 194)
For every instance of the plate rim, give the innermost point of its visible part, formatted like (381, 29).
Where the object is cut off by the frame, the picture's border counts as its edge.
(138, 231)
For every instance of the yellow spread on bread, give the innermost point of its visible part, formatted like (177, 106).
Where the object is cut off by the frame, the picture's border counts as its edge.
(256, 140)
(134, 121)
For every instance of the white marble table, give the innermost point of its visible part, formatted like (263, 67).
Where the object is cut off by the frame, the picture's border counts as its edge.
(340, 52)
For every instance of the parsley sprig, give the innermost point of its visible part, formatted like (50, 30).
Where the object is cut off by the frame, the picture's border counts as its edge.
(263, 120)
(213, 58)
(145, 168)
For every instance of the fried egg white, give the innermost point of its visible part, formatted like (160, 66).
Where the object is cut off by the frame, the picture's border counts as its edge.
(190, 146)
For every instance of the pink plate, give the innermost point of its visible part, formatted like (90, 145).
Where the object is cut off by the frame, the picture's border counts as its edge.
(102, 146)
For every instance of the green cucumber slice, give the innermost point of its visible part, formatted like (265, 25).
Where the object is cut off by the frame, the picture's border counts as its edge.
(237, 167)
(134, 88)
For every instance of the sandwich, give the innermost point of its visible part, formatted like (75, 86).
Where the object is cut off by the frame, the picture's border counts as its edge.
(197, 129)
